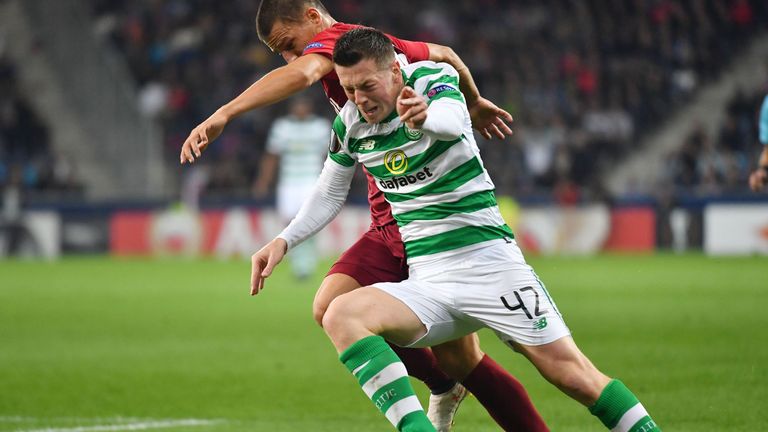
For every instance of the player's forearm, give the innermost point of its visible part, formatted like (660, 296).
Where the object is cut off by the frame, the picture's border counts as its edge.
(440, 53)
(273, 87)
(763, 161)
(325, 202)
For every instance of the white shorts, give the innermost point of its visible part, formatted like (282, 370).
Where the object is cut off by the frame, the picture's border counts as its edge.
(492, 287)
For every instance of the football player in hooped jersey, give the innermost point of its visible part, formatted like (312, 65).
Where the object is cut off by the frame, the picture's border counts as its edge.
(304, 34)
(466, 271)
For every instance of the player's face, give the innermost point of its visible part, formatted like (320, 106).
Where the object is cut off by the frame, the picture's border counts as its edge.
(290, 38)
(374, 90)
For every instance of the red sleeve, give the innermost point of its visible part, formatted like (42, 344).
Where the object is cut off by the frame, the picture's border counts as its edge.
(414, 51)
(324, 41)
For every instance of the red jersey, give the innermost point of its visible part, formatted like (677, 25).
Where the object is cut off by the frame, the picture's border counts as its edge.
(323, 43)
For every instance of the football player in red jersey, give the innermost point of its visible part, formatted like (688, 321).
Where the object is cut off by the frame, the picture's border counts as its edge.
(304, 34)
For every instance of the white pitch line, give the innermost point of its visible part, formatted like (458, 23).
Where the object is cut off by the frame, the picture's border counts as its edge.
(128, 426)
(25, 419)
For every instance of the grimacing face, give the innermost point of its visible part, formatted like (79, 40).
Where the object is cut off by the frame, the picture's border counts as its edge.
(374, 90)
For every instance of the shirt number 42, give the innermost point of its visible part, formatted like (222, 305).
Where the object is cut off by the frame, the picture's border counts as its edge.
(521, 305)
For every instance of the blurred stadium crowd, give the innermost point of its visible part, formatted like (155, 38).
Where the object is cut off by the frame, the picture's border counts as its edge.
(585, 80)
(711, 165)
(26, 158)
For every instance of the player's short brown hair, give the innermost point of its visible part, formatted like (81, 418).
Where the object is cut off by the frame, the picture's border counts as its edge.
(363, 43)
(271, 11)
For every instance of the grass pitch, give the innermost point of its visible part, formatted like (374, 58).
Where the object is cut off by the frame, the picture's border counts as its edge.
(96, 344)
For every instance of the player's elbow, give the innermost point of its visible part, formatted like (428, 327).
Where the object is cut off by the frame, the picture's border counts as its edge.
(442, 53)
(296, 78)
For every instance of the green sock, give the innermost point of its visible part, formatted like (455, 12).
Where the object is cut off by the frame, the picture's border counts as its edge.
(620, 411)
(384, 379)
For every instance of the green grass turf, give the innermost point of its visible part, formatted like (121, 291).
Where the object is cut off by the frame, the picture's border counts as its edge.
(95, 341)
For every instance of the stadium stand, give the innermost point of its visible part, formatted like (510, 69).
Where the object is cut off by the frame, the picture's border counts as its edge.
(27, 159)
(720, 163)
(585, 80)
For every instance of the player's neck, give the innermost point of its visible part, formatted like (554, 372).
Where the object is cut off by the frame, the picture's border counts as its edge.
(327, 22)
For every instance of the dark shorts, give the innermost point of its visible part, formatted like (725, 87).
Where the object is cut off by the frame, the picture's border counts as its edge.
(378, 256)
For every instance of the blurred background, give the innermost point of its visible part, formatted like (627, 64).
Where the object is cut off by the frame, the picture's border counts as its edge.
(635, 122)
(625, 183)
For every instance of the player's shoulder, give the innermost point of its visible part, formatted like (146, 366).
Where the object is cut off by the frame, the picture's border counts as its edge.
(345, 119)
(427, 69)
(334, 32)
(349, 114)
(428, 76)
(324, 42)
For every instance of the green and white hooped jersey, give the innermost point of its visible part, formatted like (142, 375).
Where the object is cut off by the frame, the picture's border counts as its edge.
(301, 145)
(441, 195)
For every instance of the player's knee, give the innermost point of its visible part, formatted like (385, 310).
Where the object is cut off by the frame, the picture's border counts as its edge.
(318, 311)
(322, 301)
(332, 287)
(338, 315)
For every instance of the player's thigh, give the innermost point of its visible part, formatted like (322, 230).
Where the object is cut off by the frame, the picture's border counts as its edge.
(369, 310)
(333, 286)
(513, 303)
(368, 261)
(460, 356)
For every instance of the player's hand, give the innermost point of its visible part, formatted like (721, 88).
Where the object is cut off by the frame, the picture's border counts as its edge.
(490, 120)
(412, 108)
(201, 136)
(264, 261)
(758, 179)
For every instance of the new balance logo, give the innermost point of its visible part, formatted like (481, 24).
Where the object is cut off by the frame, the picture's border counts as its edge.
(402, 181)
(368, 144)
(540, 324)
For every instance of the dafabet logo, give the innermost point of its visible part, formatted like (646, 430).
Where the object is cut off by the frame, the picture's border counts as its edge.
(396, 161)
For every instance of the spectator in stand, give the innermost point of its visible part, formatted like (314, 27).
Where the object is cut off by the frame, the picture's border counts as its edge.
(642, 58)
(26, 158)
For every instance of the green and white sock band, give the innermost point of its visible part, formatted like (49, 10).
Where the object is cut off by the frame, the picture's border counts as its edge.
(636, 420)
(387, 388)
(384, 380)
(620, 411)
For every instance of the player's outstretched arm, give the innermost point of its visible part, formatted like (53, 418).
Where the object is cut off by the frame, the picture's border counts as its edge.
(273, 87)
(324, 203)
(264, 261)
(490, 120)
(759, 177)
(487, 118)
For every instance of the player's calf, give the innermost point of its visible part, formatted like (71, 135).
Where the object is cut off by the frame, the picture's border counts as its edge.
(459, 357)
(353, 322)
(562, 364)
